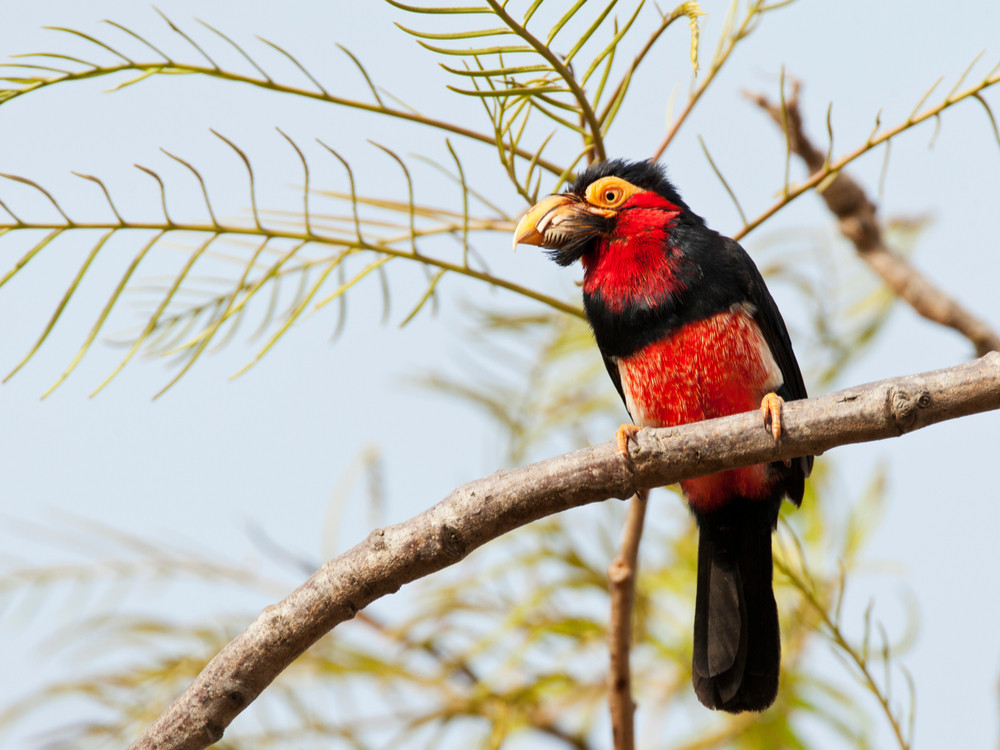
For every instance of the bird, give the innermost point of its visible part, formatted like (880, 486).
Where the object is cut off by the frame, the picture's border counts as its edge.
(689, 331)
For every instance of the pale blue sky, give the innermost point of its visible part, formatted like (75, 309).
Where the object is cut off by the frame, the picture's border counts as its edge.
(271, 447)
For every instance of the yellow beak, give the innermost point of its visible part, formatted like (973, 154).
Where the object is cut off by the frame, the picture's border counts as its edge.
(533, 225)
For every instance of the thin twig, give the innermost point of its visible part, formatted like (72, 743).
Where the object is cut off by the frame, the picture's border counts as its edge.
(858, 222)
(490, 507)
(852, 653)
(622, 574)
(726, 46)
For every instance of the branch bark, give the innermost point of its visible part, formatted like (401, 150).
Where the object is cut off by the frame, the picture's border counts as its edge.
(858, 222)
(622, 574)
(487, 508)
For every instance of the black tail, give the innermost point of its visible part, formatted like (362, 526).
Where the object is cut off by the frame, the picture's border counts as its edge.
(737, 647)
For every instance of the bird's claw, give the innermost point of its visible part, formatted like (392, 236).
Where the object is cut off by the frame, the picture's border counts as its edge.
(625, 433)
(770, 407)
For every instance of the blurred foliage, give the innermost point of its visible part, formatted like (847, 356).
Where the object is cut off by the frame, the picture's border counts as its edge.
(509, 648)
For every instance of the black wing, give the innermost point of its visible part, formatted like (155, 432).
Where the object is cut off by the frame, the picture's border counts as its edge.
(616, 378)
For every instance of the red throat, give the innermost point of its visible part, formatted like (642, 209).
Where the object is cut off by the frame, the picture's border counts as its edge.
(635, 264)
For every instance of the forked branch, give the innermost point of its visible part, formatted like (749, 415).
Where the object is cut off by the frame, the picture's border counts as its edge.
(856, 213)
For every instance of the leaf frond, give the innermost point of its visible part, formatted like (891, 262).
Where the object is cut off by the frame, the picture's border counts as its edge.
(253, 182)
(135, 35)
(364, 74)
(180, 32)
(246, 55)
(40, 189)
(291, 58)
(175, 328)
(428, 10)
(141, 71)
(93, 40)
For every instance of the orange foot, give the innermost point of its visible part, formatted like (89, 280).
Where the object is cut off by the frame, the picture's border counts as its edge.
(770, 407)
(625, 433)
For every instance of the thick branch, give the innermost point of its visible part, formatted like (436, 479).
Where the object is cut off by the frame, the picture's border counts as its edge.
(487, 508)
(856, 213)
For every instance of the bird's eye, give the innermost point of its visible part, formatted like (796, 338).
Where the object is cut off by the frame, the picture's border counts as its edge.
(610, 192)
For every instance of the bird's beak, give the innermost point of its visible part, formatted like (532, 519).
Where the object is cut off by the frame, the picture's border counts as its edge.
(540, 218)
(565, 224)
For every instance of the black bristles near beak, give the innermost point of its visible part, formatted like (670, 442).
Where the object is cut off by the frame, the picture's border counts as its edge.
(564, 225)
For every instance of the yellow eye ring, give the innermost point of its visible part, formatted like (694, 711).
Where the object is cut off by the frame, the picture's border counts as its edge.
(610, 192)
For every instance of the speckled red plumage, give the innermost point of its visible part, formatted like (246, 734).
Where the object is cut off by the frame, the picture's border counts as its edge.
(709, 368)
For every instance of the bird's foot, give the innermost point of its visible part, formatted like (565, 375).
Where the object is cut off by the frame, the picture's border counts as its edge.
(770, 408)
(625, 433)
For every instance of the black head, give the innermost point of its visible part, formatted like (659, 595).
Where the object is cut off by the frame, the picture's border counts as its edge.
(569, 224)
(647, 175)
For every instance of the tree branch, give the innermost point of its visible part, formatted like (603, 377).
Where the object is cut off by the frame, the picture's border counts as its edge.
(847, 201)
(622, 574)
(487, 508)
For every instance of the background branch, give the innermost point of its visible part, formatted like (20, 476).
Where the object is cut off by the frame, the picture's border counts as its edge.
(858, 223)
(622, 575)
(487, 508)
